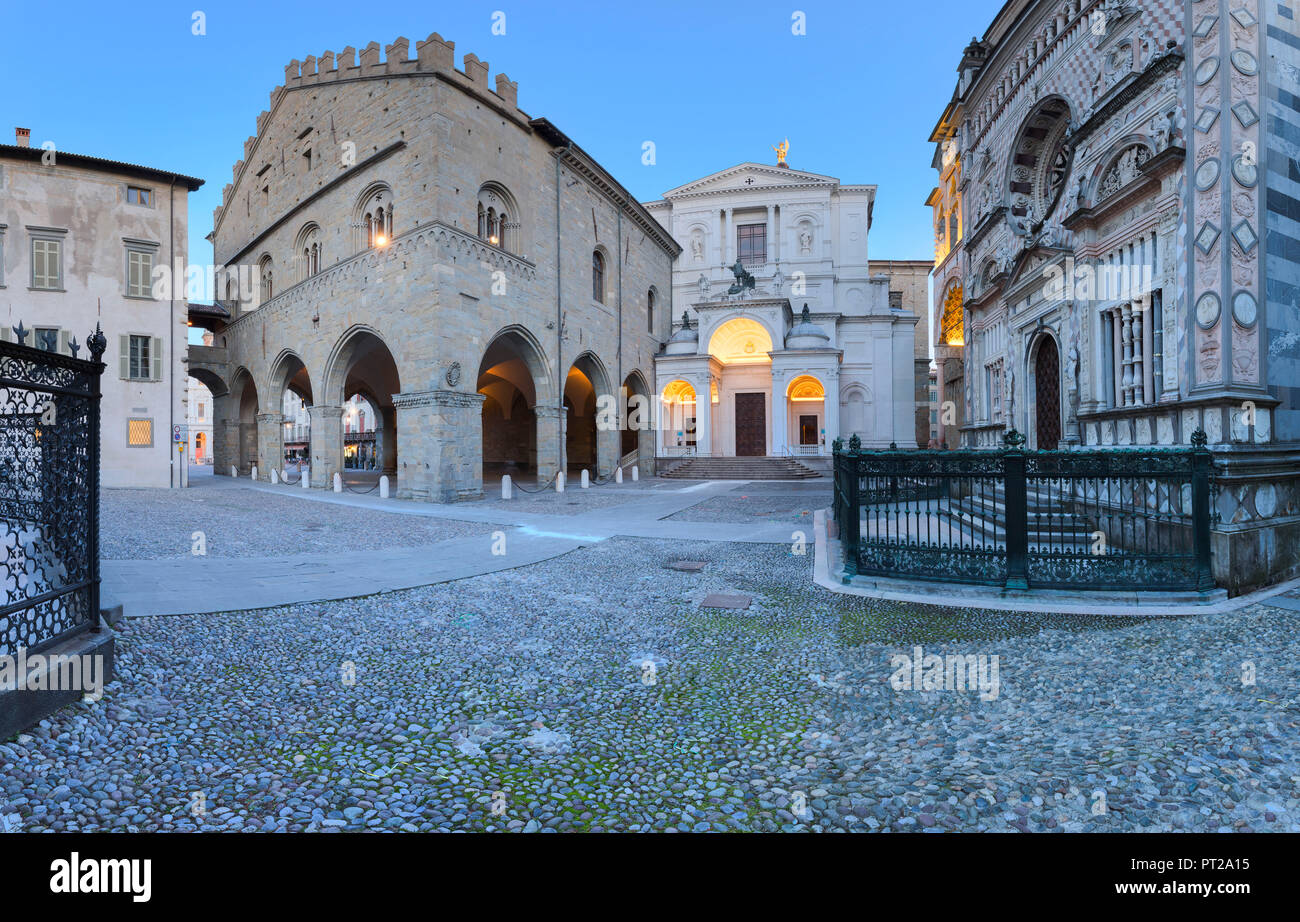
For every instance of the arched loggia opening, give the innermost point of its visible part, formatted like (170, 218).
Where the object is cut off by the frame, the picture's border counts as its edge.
(585, 445)
(638, 416)
(511, 376)
(244, 389)
(291, 392)
(362, 364)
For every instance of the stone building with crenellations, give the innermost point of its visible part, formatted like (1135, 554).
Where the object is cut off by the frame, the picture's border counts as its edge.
(400, 229)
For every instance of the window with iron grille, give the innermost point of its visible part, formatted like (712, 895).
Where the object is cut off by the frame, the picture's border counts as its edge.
(751, 244)
(139, 433)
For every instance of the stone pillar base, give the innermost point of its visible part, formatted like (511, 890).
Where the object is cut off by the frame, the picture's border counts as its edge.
(439, 456)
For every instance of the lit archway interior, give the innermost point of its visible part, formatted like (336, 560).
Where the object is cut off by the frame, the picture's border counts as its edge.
(580, 408)
(678, 400)
(507, 380)
(741, 341)
(370, 370)
(806, 409)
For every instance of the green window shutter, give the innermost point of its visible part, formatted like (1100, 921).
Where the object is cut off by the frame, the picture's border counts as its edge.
(156, 357)
(63, 343)
(124, 356)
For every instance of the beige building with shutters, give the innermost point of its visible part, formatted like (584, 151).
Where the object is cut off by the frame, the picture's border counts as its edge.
(80, 238)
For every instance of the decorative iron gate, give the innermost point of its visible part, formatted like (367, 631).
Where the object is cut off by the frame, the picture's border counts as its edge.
(49, 493)
(1134, 518)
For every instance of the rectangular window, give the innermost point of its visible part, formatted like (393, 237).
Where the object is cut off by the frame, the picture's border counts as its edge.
(139, 433)
(139, 358)
(751, 244)
(201, 410)
(47, 263)
(138, 195)
(139, 273)
(47, 338)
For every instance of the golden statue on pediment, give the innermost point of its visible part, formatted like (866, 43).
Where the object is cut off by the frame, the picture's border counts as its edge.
(781, 150)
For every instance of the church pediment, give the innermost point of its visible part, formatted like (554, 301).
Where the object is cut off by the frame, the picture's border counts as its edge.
(747, 176)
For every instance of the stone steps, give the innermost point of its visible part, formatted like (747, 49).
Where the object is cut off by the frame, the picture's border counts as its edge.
(741, 469)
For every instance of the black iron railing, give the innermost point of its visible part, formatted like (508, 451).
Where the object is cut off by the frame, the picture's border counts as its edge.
(49, 494)
(1133, 518)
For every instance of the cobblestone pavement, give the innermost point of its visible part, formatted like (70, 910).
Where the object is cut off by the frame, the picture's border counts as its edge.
(775, 502)
(148, 524)
(592, 692)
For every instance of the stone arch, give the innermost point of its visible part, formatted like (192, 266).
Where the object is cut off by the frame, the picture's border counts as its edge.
(307, 250)
(678, 400)
(734, 333)
(360, 361)
(288, 375)
(858, 417)
(637, 420)
(950, 316)
(515, 380)
(599, 269)
(243, 392)
(209, 379)
(585, 442)
(372, 217)
(806, 415)
(1042, 397)
(1107, 177)
(1039, 164)
(498, 217)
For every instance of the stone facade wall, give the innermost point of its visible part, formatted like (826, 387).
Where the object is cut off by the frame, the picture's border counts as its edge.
(436, 295)
(85, 207)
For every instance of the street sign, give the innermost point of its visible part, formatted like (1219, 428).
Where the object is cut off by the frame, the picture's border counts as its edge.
(180, 432)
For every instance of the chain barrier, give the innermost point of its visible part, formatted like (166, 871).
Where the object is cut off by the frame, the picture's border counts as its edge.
(543, 488)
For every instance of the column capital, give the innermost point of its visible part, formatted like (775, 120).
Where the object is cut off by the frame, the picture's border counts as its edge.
(325, 413)
(274, 418)
(550, 412)
(437, 398)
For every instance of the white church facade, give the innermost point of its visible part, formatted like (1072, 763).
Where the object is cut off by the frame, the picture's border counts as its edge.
(783, 338)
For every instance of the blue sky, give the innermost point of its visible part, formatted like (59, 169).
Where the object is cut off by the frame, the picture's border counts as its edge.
(711, 83)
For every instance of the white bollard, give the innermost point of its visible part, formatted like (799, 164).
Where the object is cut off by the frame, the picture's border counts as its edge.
(338, 482)
(305, 473)
(636, 473)
(559, 482)
(253, 476)
(234, 471)
(275, 476)
(507, 487)
(618, 475)
(383, 487)
(586, 479)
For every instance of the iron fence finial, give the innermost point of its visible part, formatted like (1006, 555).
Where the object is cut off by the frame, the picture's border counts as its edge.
(1199, 439)
(855, 443)
(21, 332)
(1013, 439)
(97, 342)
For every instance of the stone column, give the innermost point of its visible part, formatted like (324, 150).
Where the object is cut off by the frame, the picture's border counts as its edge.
(771, 233)
(703, 416)
(832, 410)
(270, 444)
(225, 435)
(550, 440)
(727, 243)
(780, 416)
(387, 435)
(609, 448)
(326, 445)
(441, 437)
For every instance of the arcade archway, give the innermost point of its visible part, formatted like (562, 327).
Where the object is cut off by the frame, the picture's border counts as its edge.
(510, 377)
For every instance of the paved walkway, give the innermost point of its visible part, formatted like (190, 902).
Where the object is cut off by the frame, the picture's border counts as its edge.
(195, 585)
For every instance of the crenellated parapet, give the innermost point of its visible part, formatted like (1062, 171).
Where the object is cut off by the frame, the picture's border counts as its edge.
(434, 57)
